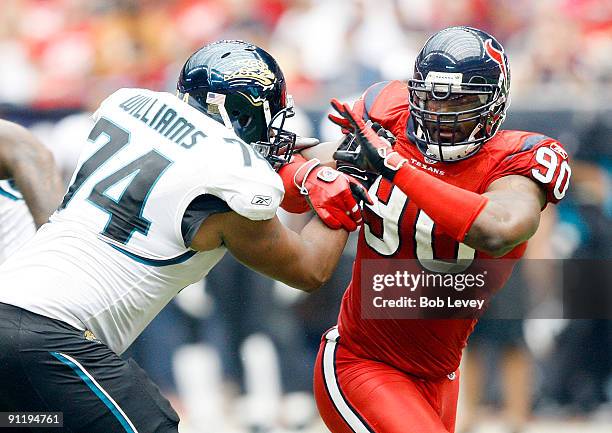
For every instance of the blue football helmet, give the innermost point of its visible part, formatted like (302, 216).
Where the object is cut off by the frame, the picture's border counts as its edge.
(459, 93)
(241, 86)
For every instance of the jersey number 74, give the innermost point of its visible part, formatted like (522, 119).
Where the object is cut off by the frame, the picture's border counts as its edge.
(137, 178)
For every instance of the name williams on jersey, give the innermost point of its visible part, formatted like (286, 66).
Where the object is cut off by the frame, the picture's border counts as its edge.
(163, 120)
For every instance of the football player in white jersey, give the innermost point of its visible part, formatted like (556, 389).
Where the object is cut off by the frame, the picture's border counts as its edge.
(30, 189)
(164, 186)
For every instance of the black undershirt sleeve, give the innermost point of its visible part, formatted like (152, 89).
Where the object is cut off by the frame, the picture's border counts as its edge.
(196, 213)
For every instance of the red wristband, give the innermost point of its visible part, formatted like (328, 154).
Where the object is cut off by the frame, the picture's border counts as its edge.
(294, 201)
(454, 209)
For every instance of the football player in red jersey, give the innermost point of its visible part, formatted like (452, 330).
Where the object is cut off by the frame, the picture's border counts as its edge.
(451, 191)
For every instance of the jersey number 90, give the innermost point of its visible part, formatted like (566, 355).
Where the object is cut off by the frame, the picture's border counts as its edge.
(549, 159)
(386, 238)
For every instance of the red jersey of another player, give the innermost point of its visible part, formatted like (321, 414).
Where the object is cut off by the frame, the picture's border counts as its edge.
(394, 228)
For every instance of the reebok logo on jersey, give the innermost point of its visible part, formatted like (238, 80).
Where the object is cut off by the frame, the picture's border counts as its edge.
(558, 149)
(262, 200)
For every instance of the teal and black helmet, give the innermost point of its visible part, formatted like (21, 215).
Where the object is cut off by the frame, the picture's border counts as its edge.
(241, 86)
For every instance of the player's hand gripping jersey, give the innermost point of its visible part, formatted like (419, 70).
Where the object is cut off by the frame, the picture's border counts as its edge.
(118, 248)
(395, 228)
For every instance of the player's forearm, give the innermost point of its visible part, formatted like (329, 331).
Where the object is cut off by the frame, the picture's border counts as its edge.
(41, 187)
(38, 180)
(493, 222)
(503, 224)
(32, 167)
(454, 209)
(324, 152)
(304, 261)
(323, 248)
(312, 258)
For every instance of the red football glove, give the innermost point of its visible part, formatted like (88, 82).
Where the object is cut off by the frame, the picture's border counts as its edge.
(344, 124)
(375, 153)
(332, 195)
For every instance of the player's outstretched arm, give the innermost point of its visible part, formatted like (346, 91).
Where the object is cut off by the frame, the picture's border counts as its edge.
(304, 261)
(511, 215)
(507, 214)
(334, 196)
(24, 159)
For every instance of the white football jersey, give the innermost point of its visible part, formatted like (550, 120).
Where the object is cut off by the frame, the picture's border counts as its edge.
(16, 223)
(115, 253)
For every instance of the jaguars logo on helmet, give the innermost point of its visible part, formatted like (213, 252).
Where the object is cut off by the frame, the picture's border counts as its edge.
(254, 70)
(241, 86)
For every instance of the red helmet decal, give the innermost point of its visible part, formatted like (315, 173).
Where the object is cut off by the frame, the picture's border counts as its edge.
(498, 56)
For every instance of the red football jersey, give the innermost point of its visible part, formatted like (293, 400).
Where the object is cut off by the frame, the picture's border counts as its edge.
(394, 228)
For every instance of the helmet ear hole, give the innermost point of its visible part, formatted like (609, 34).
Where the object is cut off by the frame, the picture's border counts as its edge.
(244, 120)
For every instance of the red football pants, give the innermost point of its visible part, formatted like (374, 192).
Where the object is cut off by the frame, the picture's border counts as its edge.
(357, 395)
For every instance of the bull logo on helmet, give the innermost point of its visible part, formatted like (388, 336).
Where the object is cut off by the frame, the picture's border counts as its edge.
(498, 57)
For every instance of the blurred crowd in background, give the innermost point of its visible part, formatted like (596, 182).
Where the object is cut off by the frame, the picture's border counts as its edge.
(244, 346)
(71, 53)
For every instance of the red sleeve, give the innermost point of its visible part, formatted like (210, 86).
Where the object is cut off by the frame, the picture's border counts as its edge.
(293, 200)
(359, 105)
(383, 103)
(541, 159)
